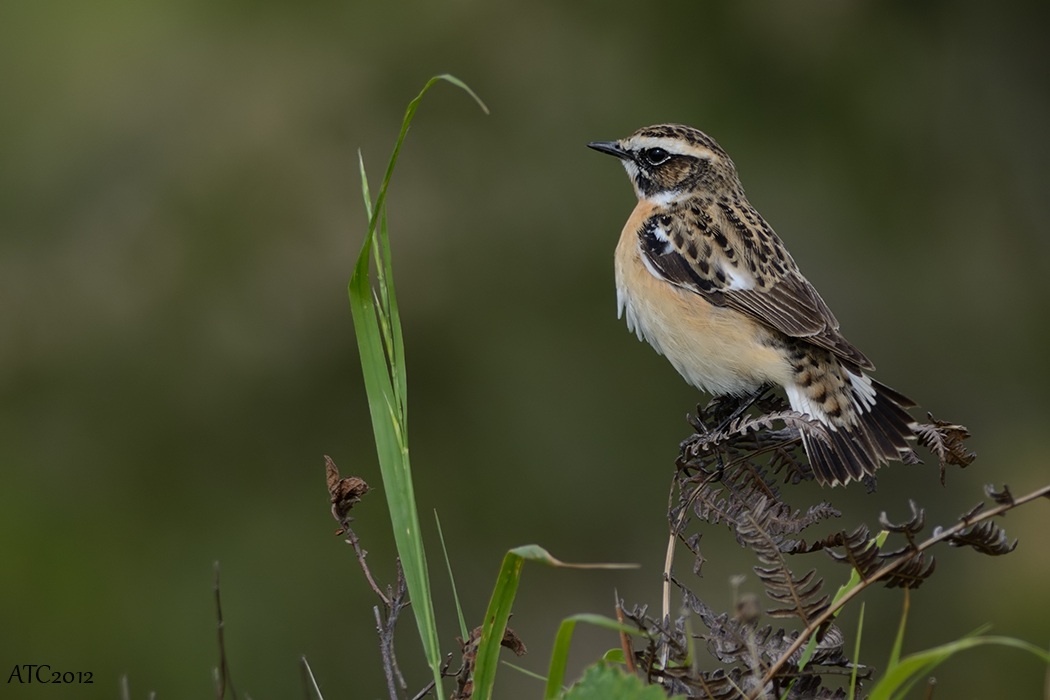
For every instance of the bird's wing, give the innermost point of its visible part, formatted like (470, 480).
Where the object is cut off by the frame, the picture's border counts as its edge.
(748, 270)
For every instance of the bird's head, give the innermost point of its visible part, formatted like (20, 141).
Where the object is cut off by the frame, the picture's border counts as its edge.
(668, 161)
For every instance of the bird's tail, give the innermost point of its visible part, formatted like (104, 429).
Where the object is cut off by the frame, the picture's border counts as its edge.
(879, 431)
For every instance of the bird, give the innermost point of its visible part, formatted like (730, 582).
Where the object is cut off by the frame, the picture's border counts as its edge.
(706, 281)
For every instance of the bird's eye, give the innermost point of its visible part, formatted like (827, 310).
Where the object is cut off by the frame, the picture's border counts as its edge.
(655, 156)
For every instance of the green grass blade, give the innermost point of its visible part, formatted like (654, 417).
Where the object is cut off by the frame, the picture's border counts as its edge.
(853, 582)
(464, 634)
(377, 326)
(390, 320)
(495, 624)
(525, 671)
(409, 114)
(384, 268)
(920, 664)
(856, 656)
(898, 641)
(903, 690)
(395, 339)
(563, 641)
(503, 593)
(364, 185)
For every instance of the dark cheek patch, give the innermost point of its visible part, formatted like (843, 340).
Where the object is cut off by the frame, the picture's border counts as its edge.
(646, 185)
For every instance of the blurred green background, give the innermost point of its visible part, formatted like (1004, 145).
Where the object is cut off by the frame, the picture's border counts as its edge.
(180, 212)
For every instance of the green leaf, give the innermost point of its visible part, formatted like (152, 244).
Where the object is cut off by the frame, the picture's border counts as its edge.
(604, 682)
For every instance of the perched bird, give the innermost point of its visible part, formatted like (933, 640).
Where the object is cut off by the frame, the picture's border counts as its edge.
(704, 279)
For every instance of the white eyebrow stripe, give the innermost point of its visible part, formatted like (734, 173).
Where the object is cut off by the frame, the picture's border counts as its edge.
(675, 146)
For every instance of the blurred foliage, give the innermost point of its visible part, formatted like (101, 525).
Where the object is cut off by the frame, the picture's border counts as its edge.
(178, 221)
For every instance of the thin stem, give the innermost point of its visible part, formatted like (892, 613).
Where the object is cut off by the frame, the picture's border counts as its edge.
(224, 680)
(352, 540)
(387, 654)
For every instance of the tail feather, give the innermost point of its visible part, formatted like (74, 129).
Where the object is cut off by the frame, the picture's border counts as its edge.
(881, 433)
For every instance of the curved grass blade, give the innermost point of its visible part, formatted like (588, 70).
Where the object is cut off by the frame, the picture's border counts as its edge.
(898, 679)
(856, 656)
(464, 633)
(844, 589)
(495, 624)
(563, 640)
(377, 325)
(898, 640)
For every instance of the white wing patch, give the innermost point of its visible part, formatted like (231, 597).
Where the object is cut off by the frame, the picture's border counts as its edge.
(738, 280)
(660, 235)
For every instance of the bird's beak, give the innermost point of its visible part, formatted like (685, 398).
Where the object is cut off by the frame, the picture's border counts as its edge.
(611, 147)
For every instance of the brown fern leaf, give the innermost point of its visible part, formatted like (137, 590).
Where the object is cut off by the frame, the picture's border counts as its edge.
(910, 527)
(728, 639)
(1002, 498)
(985, 537)
(946, 441)
(917, 568)
(761, 532)
(799, 595)
(862, 553)
(752, 424)
(859, 550)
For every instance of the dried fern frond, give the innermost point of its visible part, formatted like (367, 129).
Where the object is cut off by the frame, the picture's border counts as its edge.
(985, 537)
(731, 473)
